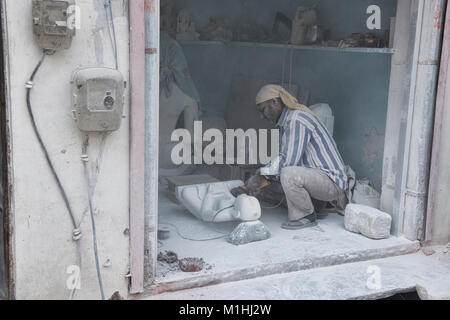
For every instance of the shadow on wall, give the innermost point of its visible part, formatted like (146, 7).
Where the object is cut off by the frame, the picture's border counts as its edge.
(2, 260)
(2, 246)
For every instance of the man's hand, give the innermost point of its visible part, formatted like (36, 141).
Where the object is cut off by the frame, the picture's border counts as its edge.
(255, 184)
(238, 191)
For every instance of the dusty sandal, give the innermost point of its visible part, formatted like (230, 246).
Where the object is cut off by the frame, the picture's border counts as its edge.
(299, 224)
(322, 215)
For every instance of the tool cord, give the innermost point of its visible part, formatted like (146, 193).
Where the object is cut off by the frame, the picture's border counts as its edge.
(207, 239)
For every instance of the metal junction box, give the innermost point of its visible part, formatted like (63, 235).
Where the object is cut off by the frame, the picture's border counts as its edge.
(53, 23)
(97, 99)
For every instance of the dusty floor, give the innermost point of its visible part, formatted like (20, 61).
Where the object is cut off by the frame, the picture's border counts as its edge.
(286, 251)
(374, 279)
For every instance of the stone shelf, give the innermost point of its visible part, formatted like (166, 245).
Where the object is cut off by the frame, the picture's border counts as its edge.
(289, 46)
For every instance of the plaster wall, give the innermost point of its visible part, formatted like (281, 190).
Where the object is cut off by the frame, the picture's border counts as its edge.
(440, 227)
(42, 231)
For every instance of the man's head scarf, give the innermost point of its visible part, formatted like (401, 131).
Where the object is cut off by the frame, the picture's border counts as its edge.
(273, 91)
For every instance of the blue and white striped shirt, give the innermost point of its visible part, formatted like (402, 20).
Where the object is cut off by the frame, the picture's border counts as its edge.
(306, 142)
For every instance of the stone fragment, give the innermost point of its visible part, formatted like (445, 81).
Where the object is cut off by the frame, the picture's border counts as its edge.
(191, 264)
(168, 256)
(247, 232)
(368, 221)
(116, 296)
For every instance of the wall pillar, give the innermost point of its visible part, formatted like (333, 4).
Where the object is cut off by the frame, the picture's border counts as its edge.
(152, 30)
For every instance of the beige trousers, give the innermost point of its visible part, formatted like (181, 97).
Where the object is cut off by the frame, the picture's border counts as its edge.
(305, 189)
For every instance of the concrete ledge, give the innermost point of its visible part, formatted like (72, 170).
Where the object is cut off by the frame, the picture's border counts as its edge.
(392, 275)
(327, 244)
(434, 291)
(262, 270)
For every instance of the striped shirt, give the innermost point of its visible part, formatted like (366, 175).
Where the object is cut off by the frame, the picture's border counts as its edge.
(306, 142)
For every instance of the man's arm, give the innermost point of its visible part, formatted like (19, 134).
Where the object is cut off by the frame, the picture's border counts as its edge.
(293, 145)
(294, 141)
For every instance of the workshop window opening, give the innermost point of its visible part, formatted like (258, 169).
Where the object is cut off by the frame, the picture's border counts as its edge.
(269, 112)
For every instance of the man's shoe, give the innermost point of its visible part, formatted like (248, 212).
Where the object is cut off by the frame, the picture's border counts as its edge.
(307, 222)
(322, 215)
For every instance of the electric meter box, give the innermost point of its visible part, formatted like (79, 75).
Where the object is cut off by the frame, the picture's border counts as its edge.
(97, 99)
(53, 23)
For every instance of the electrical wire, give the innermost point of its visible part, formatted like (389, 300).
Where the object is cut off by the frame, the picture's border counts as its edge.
(76, 233)
(44, 149)
(114, 33)
(94, 178)
(190, 239)
(221, 210)
(99, 161)
(112, 36)
(85, 159)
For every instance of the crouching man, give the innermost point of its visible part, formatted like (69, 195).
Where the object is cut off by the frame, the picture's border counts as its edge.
(309, 172)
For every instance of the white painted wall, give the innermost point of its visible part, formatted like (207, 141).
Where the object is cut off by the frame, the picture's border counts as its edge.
(396, 109)
(42, 231)
(440, 225)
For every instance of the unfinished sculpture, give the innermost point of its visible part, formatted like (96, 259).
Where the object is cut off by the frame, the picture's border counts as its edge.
(305, 18)
(171, 108)
(218, 29)
(178, 96)
(168, 19)
(325, 114)
(186, 27)
(213, 202)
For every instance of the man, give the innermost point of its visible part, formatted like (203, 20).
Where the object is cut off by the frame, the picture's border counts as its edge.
(309, 167)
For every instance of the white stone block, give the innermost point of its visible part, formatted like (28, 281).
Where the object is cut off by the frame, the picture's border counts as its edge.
(368, 221)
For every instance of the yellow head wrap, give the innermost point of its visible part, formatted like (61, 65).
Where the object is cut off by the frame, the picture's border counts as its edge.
(272, 91)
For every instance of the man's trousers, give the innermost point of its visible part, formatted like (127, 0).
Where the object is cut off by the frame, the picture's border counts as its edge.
(303, 191)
